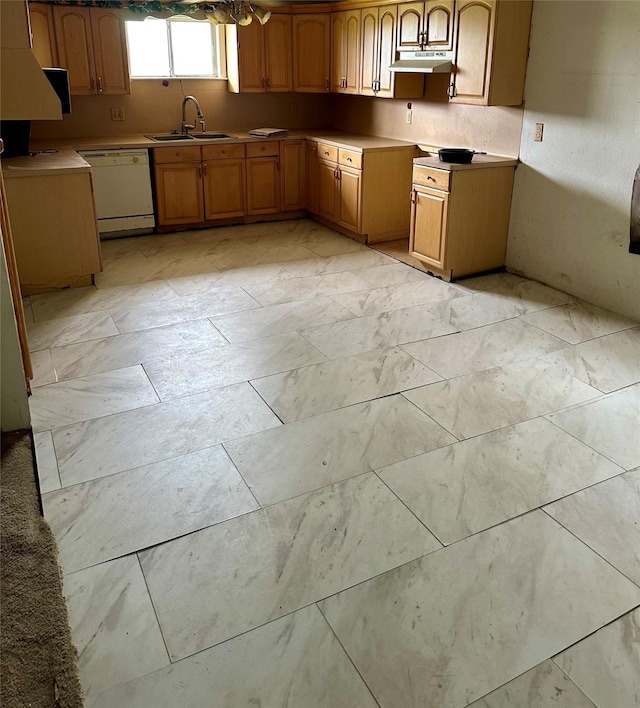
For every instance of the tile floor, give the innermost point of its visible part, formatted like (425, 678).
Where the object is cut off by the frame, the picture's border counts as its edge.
(285, 469)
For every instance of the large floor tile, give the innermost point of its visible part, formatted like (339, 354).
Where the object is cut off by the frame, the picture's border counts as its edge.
(124, 441)
(126, 512)
(113, 625)
(46, 462)
(68, 330)
(396, 297)
(278, 319)
(299, 457)
(487, 400)
(607, 363)
(472, 485)
(225, 364)
(411, 324)
(239, 253)
(133, 348)
(483, 348)
(292, 662)
(93, 396)
(293, 289)
(578, 321)
(227, 579)
(605, 665)
(136, 268)
(607, 518)
(529, 295)
(80, 300)
(342, 382)
(449, 628)
(609, 425)
(391, 274)
(543, 687)
(335, 246)
(43, 369)
(218, 301)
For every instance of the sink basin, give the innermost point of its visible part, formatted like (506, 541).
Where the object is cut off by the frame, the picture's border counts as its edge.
(212, 136)
(169, 136)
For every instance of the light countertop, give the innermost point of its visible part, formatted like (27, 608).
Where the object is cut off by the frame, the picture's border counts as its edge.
(65, 161)
(479, 162)
(337, 138)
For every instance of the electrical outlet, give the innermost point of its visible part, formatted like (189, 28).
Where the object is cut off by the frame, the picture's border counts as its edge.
(409, 118)
(117, 113)
(294, 107)
(537, 136)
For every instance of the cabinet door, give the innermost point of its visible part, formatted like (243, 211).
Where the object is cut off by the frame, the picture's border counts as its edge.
(311, 176)
(410, 26)
(472, 51)
(429, 226)
(386, 51)
(179, 193)
(224, 188)
(338, 52)
(438, 23)
(369, 52)
(328, 189)
(110, 52)
(251, 58)
(43, 38)
(293, 185)
(278, 54)
(263, 185)
(311, 53)
(75, 47)
(352, 52)
(350, 182)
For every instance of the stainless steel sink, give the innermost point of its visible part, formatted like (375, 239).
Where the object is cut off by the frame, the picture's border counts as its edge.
(212, 136)
(167, 137)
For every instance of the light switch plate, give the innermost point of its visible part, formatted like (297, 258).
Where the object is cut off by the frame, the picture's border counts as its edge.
(409, 117)
(537, 136)
(117, 113)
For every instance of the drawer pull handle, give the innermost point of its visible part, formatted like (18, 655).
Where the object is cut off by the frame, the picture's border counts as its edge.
(430, 178)
(325, 152)
(349, 159)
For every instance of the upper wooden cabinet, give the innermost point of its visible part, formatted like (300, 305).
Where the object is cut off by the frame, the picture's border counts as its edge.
(345, 44)
(43, 38)
(490, 52)
(311, 52)
(259, 57)
(91, 44)
(378, 52)
(425, 25)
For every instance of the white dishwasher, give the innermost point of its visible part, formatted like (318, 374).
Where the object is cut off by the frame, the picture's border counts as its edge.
(122, 190)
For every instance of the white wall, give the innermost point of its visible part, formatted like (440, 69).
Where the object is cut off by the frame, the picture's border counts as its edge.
(570, 214)
(14, 408)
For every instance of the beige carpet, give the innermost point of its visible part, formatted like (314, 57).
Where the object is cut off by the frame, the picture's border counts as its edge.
(37, 659)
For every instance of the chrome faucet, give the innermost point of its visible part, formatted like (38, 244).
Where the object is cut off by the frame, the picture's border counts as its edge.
(186, 127)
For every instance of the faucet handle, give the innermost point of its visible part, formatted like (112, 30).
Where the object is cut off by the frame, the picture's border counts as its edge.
(203, 126)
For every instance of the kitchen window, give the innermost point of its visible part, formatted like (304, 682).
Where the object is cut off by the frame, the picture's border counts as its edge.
(179, 47)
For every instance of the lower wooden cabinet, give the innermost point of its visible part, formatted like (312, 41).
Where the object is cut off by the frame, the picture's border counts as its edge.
(361, 193)
(224, 192)
(460, 217)
(179, 193)
(201, 185)
(54, 228)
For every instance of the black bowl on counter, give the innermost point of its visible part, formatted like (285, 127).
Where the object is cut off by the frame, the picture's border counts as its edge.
(458, 156)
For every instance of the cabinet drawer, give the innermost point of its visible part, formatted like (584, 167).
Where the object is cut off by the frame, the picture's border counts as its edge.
(268, 149)
(182, 154)
(327, 152)
(349, 158)
(430, 177)
(222, 152)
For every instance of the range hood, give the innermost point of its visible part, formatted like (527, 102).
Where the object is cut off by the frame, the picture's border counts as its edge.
(26, 91)
(423, 63)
